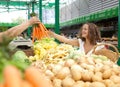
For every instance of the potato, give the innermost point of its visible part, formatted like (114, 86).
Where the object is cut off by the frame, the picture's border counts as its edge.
(99, 74)
(97, 69)
(84, 65)
(108, 82)
(79, 84)
(97, 84)
(81, 60)
(96, 78)
(116, 71)
(56, 69)
(87, 75)
(49, 74)
(91, 68)
(115, 79)
(68, 82)
(76, 72)
(107, 74)
(104, 68)
(90, 61)
(87, 84)
(57, 83)
(64, 72)
(69, 63)
(113, 73)
(114, 85)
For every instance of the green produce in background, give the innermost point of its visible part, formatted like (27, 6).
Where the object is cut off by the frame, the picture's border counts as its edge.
(11, 57)
(19, 56)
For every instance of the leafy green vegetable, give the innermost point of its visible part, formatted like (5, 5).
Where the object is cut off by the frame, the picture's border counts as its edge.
(11, 57)
(19, 56)
(20, 60)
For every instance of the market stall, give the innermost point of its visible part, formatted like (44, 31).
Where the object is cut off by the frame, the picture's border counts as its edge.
(47, 63)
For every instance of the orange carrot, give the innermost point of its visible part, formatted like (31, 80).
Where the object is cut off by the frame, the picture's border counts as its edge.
(1, 85)
(36, 78)
(26, 84)
(43, 29)
(12, 77)
(39, 32)
(43, 26)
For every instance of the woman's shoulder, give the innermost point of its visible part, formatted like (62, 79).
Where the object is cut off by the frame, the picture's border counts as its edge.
(80, 40)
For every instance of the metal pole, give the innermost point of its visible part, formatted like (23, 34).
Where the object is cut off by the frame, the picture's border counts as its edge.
(28, 30)
(57, 26)
(40, 10)
(118, 62)
(33, 6)
(119, 27)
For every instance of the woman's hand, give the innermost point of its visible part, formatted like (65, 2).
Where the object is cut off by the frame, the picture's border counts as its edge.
(51, 33)
(34, 20)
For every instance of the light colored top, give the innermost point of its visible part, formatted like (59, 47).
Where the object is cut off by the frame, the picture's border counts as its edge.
(82, 50)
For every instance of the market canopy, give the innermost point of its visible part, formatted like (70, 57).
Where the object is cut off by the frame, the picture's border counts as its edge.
(11, 5)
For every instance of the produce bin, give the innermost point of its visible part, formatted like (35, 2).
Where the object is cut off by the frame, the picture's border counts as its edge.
(28, 50)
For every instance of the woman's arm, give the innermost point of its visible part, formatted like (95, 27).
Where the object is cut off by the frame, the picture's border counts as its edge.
(14, 31)
(63, 39)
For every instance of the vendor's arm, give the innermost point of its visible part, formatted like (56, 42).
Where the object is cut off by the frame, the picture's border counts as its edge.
(14, 31)
(63, 39)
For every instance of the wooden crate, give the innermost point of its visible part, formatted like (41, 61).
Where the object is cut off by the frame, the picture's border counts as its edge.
(29, 52)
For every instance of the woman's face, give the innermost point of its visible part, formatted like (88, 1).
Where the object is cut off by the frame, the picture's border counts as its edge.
(85, 31)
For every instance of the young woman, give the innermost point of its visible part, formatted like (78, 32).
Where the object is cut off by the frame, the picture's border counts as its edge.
(89, 36)
(17, 30)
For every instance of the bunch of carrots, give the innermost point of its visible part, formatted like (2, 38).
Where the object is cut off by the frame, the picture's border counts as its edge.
(32, 78)
(39, 32)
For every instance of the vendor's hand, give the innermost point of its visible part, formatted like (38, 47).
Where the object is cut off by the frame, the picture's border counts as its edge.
(34, 20)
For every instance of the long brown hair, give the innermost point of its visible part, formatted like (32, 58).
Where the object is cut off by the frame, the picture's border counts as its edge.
(93, 33)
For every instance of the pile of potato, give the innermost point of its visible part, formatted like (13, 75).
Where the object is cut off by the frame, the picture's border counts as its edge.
(84, 72)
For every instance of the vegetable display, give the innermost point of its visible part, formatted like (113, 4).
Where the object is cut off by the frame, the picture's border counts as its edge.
(55, 65)
(84, 74)
(50, 51)
(15, 70)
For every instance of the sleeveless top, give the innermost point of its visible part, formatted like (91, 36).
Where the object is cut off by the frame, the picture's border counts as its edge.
(82, 50)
